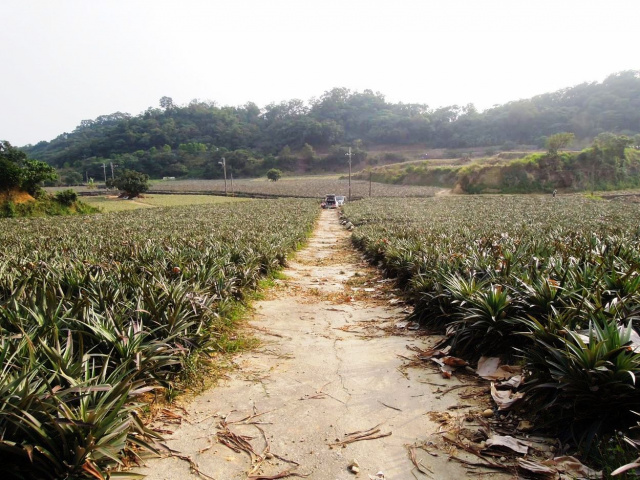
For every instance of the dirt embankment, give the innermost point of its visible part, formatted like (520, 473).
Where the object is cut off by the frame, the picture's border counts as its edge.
(16, 196)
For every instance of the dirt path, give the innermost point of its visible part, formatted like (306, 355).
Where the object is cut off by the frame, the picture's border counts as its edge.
(327, 366)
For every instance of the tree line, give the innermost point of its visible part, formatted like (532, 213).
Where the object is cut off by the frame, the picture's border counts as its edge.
(191, 139)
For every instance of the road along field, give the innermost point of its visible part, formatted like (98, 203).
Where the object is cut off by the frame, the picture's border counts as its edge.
(308, 187)
(97, 311)
(552, 283)
(328, 394)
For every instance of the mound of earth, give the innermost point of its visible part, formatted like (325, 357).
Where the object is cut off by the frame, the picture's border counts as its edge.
(16, 196)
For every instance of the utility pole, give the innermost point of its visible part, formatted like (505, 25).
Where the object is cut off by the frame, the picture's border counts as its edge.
(232, 193)
(349, 155)
(111, 163)
(104, 170)
(369, 183)
(224, 167)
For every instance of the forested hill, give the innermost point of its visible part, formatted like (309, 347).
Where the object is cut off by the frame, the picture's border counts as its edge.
(177, 140)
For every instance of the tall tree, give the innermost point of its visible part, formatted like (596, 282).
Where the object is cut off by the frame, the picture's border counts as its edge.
(558, 141)
(166, 103)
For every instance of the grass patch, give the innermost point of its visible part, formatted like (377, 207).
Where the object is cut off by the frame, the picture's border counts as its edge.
(43, 206)
(108, 205)
(593, 196)
(180, 200)
(279, 275)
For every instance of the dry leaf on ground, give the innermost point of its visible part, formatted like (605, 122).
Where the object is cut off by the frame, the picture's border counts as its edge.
(489, 368)
(505, 399)
(508, 442)
(572, 466)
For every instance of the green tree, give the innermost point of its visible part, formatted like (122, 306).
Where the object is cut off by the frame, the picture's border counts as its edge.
(31, 172)
(72, 178)
(132, 183)
(166, 103)
(560, 140)
(35, 172)
(192, 148)
(66, 197)
(307, 153)
(11, 153)
(612, 146)
(10, 175)
(287, 161)
(274, 174)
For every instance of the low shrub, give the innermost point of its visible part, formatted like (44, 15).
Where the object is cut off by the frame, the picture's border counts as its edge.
(66, 197)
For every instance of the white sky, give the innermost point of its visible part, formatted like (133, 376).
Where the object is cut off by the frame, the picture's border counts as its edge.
(68, 60)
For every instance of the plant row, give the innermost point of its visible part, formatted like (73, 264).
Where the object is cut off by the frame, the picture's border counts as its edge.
(554, 282)
(98, 310)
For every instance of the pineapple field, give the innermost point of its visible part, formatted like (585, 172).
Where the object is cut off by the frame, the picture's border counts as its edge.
(97, 311)
(304, 187)
(550, 283)
(100, 313)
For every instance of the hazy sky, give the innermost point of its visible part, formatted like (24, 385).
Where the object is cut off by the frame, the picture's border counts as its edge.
(68, 60)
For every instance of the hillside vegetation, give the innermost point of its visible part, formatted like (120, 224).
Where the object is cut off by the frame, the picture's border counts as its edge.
(20, 192)
(191, 140)
(612, 162)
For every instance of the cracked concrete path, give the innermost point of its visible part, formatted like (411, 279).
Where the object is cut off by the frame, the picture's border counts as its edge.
(329, 364)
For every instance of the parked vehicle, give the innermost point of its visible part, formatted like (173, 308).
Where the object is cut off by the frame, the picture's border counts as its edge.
(340, 200)
(329, 201)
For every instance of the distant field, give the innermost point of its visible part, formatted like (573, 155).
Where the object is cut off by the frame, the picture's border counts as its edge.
(310, 187)
(112, 204)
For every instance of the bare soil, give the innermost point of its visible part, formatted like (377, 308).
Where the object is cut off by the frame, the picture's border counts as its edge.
(331, 392)
(16, 196)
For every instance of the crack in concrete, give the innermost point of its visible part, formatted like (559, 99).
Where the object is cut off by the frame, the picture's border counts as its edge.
(339, 374)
